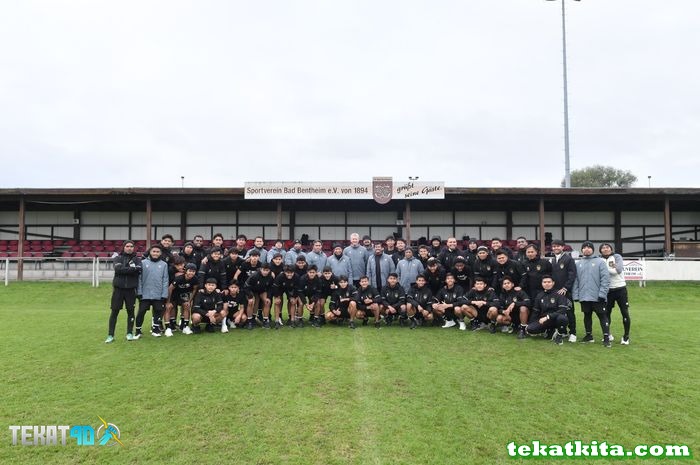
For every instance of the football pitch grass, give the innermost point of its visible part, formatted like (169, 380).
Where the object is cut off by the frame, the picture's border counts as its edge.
(337, 396)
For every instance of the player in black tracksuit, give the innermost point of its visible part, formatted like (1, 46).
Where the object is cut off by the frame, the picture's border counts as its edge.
(549, 311)
(236, 304)
(449, 254)
(180, 294)
(276, 264)
(507, 267)
(514, 307)
(309, 295)
(286, 284)
(368, 301)
(564, 275)
(419, 302)
(480, 304)
(258, 289)
(232, 263)
(393, 300)
(484, 266)
(448, 303)
(434, 275)
(535, 269)
(213, 268)
(127, 267)
(208, 307)
(248, 267)
(462, 273)
(343, 305)
(329, 283)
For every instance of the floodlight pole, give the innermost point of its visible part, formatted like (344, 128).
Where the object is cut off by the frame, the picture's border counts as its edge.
(567, 169)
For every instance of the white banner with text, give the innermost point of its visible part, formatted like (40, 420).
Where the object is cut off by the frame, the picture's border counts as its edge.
(341, 190)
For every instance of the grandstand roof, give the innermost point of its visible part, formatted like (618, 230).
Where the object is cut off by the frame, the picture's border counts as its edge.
(483, 198)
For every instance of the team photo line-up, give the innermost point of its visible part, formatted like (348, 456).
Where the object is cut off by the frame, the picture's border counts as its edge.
(515, 292)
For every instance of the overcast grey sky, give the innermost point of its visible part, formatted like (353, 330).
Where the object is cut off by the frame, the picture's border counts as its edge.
(138, 93)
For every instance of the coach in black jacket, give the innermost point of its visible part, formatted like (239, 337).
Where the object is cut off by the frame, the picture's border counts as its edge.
(564, 275)
(127, 267)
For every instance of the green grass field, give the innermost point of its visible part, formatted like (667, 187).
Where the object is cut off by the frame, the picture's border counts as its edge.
(336, 396)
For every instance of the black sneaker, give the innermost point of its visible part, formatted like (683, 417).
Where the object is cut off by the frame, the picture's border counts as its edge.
(389, 320)
(558, 339)
(250, 324)
(266, 323)
(402, 322)
(278, 324)
(209, 328)
(196, 329)
(492, 328)
(587, 338)
(474, 325)
(377, 324)
(414, 323)
(365, 321)
(352, 325)
(521, 333)
(606, 342)
(315, 323)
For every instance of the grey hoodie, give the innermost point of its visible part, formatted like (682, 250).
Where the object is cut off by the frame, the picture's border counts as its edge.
(592, 279)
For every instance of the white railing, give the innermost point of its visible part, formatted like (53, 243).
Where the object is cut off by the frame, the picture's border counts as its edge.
(92, 269)
(98, 269)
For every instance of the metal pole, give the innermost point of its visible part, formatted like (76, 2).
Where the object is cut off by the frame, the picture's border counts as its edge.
(567, 171)
(7, 271)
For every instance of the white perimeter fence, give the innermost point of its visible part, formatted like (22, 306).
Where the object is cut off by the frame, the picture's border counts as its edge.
(99, 270)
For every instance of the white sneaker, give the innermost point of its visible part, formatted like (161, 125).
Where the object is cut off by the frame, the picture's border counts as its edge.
(137, 336)
(168, 332)
(187, 330)
(224, 329)
(449, 324)
(231, 324)
(625, 341)
(611, 338)
(156, 334)
(462, 326)
(572, 338)
(556, 333)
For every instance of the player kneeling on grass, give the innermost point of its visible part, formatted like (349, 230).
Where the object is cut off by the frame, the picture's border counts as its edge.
(209, 308)
(393, 298)
(449, 303)
(367, 301)
(236, 305)
(180, 294)
(258, 288)
(481, 304)
(343, 305)
(549, 312)
(514, 308)
(419, 302)
(285, 284)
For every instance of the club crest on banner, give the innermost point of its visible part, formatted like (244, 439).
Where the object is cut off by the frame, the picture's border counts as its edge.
(382, 189)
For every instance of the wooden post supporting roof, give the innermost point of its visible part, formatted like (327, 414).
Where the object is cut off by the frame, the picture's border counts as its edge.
(542, 246)
(20, 239)
(149, 224)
